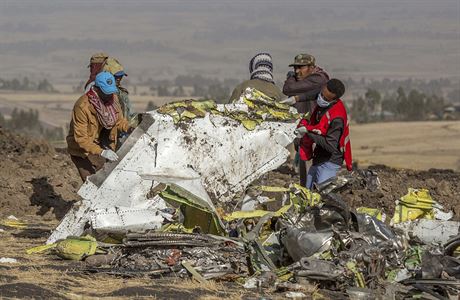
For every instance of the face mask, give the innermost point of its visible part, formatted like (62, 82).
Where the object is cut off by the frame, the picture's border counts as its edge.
(321, 102)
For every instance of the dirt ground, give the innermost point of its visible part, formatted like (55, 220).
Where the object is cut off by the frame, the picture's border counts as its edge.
(35, 178)
(38, 184)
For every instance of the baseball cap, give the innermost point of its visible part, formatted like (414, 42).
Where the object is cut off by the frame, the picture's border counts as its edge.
(113, 66)
(303, 59)
(98, 58)
(106, 82)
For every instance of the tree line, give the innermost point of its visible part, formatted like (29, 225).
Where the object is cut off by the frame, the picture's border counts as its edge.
(397, 106)
(27, 85)
(28, 122)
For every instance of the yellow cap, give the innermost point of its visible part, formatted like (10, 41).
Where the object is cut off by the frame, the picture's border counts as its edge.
(113, 66)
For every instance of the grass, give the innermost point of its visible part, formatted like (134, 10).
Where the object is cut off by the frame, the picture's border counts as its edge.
(50, 273)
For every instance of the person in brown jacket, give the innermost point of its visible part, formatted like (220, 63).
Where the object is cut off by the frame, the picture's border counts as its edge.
(96, 120)
(261, 73)
(304, 83)
(303, 86)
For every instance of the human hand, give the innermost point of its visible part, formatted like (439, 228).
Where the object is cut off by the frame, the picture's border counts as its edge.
(300, 132)
(109, 154)
(289, 101)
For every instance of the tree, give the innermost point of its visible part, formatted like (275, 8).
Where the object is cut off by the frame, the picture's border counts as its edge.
(401, 104)
(198, 91)
(416, 110)
(360, 110)
(15, 84)
(163, 91)
(179, 91)
(373, 100)
(45, 86)
(218, 92)
(25, 83)
(454, 96)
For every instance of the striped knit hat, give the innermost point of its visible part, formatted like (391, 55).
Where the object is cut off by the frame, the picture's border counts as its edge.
(261, 67)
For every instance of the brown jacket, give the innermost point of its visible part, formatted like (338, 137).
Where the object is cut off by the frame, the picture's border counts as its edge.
(268, 88)
(307, 89)
(85, 129)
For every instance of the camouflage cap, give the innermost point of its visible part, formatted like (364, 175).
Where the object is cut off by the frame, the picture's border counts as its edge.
(303, 60)
(98, 58)
(113, 66)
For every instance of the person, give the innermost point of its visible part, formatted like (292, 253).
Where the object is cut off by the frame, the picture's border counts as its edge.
(261, 78)
(96, 63)
(96, 120)
(304, 83)
(302, 86)
(113, 66)
(330, 134)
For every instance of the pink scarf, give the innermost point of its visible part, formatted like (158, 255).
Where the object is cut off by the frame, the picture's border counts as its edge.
(106, 112)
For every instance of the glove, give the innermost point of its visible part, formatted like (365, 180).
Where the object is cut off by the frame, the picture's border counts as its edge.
(290, 74)
(300, 132)
(109, 154)
(289, 101)
(296, 144)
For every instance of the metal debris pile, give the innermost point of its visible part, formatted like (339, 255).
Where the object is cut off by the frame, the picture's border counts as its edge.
(289, 240)
(195, 212)
(165, 254)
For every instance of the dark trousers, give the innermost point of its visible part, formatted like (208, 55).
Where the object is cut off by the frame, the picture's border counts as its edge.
(88, 165)
(303, 172)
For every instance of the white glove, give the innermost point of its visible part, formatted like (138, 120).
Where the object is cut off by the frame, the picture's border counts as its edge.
(289, 101)
(109, 154)
(300, 132)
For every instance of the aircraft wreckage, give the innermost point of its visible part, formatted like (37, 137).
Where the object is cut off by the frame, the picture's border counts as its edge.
(209, 152)
(181, 201)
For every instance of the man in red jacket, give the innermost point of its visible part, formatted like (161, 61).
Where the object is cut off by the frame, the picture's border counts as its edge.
(333, 143)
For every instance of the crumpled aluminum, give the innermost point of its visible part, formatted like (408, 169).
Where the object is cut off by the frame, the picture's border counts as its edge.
(333, 185)
(430, 231)
(375, 230)
(317, 269)
(300, 243)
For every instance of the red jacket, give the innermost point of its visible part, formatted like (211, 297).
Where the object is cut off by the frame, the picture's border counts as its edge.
(336, 111)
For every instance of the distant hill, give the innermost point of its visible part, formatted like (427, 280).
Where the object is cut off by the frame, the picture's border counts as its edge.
(375, 39)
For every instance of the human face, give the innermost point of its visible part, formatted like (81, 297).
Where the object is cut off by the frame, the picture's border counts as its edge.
(301, 72)
(118, 80)
(327, 95)
(104, 97)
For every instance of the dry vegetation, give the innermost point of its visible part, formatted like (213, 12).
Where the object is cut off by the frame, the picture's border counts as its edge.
(46, 276)
(412, 145)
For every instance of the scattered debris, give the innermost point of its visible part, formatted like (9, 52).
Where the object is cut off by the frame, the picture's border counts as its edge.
(197, 212)
(8, 260)
(430, 231)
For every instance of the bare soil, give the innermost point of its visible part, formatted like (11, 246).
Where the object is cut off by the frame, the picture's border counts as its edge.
(444, 187)
(35, 179)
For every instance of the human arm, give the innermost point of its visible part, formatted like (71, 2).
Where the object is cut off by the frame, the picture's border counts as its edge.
(306, 89)
(123, 124)
(236, 94)
(329, 142)
(80, 124)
